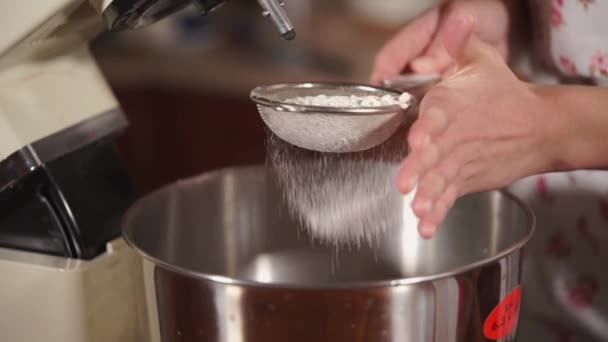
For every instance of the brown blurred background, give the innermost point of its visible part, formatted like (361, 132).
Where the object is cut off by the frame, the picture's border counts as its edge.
(184, 82)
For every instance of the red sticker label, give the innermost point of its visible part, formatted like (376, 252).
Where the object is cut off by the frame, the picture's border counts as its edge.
(503, 319)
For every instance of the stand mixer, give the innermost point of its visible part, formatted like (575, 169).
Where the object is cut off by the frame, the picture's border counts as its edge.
(66, 273)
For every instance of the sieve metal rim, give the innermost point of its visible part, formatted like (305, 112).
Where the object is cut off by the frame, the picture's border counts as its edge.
(257, 96)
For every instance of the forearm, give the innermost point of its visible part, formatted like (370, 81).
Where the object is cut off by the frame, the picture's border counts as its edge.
(577, 125)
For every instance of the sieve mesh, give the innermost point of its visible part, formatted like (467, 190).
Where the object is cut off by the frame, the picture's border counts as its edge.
(327, 129)
(331, 133)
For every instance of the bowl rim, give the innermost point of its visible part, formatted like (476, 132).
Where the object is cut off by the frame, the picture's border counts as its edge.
(257, 96)
(226, 280)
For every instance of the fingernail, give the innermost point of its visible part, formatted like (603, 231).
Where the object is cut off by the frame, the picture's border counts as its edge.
(406, 187)
(426, 231)
(424, 64)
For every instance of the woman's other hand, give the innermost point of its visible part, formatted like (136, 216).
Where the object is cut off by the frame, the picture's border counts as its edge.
(419, 45)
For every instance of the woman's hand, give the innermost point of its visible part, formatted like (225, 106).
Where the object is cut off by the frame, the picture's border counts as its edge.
(479, 129)
(418, 45)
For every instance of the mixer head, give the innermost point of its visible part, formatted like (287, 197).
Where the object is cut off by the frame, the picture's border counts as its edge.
(133, 14)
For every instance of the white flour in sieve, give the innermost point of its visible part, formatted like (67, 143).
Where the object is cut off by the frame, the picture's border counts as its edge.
(352, 101)
(342, 198)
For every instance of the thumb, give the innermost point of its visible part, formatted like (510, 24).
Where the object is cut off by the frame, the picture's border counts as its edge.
(455, 29)
(406, 45)
(459, 41)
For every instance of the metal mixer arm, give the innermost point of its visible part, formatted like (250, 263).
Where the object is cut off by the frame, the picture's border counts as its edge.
(28, 25)
(131, 14)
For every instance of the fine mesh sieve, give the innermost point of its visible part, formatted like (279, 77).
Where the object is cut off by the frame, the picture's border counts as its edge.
(328, 129)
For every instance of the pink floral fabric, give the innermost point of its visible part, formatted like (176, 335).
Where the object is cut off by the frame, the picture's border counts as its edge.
(573, 37)
(565, 293)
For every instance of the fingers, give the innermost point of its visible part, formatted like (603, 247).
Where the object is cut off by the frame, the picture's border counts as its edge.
(427, 227)
(431, 122)
(455, 44)
(465, 48)
(416, 164)
(407, 44)
(433, 168)
(443, 183)
(424, 154)
(437, 59)
(436, 193)
(433, 184)
(456, 37)
(431, 187)
(427, 64)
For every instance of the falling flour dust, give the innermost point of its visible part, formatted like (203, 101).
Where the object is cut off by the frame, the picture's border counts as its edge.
(341, 198)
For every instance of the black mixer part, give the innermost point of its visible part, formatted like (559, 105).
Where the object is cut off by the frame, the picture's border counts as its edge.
(69, 207)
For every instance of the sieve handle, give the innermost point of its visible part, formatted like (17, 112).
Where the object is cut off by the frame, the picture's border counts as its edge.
(411, 81)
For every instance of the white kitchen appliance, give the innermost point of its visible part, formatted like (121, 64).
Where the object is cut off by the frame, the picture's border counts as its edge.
(66, 275)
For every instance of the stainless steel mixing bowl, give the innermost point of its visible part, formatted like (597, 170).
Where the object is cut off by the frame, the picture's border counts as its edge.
(223, 262)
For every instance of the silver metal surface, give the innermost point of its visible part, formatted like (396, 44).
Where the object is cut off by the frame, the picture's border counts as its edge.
(328, 129)
(223, 261)
(409, 81)
(27, 159)
(274, 96)
(274, 9)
